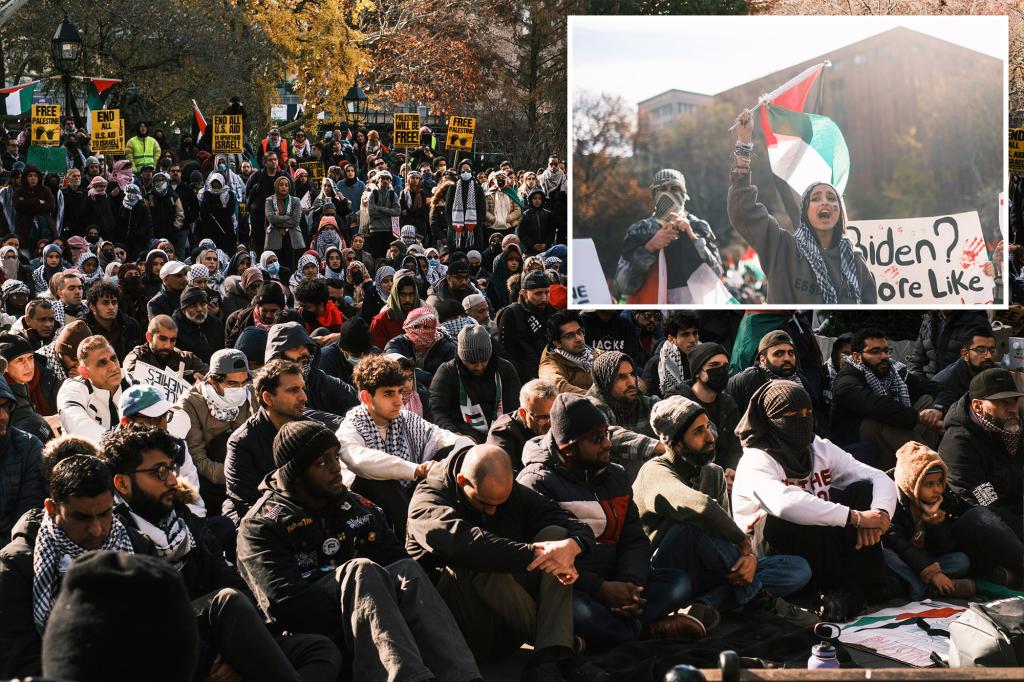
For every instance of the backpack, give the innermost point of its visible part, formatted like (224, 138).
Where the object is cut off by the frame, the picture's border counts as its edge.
(989, 635)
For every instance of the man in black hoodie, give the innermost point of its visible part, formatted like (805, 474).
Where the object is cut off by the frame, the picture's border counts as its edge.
(289, 341)
(321, 559)
(522, 325)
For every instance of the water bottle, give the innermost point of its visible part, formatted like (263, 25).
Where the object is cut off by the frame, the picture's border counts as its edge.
(823, 655)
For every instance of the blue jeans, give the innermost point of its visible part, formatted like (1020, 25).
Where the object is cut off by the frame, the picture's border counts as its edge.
(707, 560)
(954, 565)
(667, 589)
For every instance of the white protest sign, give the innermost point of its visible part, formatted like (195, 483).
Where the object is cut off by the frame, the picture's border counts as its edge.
(926, 260)
(588, 285)
(164, 380)
(704, 287)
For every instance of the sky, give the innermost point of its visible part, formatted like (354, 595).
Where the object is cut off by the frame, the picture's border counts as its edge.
(639, 57)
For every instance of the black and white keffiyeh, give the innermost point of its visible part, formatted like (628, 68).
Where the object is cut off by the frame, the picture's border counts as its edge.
(407, 436)
(893, 386)
(51, 558)
(770, 375)
(171, 535)
(584, 360)
(671, 369)
(810, 249)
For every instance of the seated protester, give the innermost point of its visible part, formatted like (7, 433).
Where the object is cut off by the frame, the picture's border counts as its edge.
(339, 358)
(281, 393)
(317, 310)
(143, 405)
(686, 512)
(669, 367)
(34, 387)
(940, 339)
(216, 407)
(978, 354)
(615, 598)
(173, 278)
(876, 400)
(415, 396)
(509, 556)
(452, 318)
(982, 448)
(532, 418)
(362, 591)
(799, 494)
(14, 296)
(21, 484)
(105, 319)
(145, 479)
(384, 447)
(160, 350)
(522, 326)
(307, 270)
(456, 283)
(709, 366)
(920, 546)
(475, 306)
(470, 392)
(607, 330)
(267, 309)
(52, 263)
(402, 300)
(567, 360)
(87, 403)
(422, 342)
(836, 360)
(73, 519)
(68, 304)
(61, 354)
(199, 332)
(37, 325)
(289, 341)
(238, 290)
(376, 296)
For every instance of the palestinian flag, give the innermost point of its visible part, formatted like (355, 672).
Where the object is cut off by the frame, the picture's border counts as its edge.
(18, 100)
(97, 92)
(199, 126)
(802, 149)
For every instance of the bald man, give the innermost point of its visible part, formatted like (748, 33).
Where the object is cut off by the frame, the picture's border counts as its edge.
(508, 556)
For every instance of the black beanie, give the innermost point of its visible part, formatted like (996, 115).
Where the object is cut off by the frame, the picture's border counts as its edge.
(573, 417)
(299, 443)
(703, 352)
(13, 346)
(270, 292)
(116, 614)
(355, 336)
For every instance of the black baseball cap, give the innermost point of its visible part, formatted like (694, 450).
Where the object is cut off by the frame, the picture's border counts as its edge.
(994, 384)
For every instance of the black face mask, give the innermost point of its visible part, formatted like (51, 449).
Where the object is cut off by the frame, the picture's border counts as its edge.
(357, 277)
(797, 433)
(309, 317)
(718, 378)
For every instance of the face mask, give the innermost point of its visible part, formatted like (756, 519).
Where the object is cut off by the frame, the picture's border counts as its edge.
(467, 176)
(273, 268)
(795, 432)
(357, 277)
(307, 367)
(222, 168)
(92, 238)
(113, 280)
(236, 397)
(433, 262)
(718, 378)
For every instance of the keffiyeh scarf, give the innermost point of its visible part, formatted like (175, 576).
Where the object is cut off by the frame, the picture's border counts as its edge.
(810, 249)
(51, 558)
(407, 436)
(1010, 439)
(893, 386)
(584, 360)
(219, 408)
(671, 370)
(464, 213)
(770, 375)
(171, 535)
(132, 195)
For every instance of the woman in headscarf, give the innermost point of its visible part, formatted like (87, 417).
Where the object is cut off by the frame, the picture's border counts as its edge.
(240, 262)
(436, 270)
(198, 275)
(35, 208)
(378, 294)
(89, 265)
(134, 223)
(8, 263)
(211, 259)
(357, 283)
(53, 263)
(329, 197)
(133, 295)
(98, 208)
(217, 214)
(509, 263)
(528, 184)
(327, 235)
(333, 263)
(238, 291)
(151, 281)
(283, 214)
(799, 494)
(815, 265)
(308, 268)
(110, 270)
(504, 207)
(270, 263)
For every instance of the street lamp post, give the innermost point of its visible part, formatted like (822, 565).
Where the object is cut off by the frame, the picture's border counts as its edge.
(355, 102)
(66, 51)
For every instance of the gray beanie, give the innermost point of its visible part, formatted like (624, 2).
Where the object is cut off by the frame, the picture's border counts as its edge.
(472, 301)
(671, 417)
(474, 344)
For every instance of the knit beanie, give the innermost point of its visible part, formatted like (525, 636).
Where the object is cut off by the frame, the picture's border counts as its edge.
(192, 295)
(671, 417)
(703, 352)
(572, 418)
(297, 444)
(474, 344)
(13, 346)
(473, 253)
(253, 342)
(536, 280)
(773, 338)
(472, 301)
(269, 293)
(914, 461)
(605, 367)
(107, 592)
(354, 337)
(71, 336)
(509, 239)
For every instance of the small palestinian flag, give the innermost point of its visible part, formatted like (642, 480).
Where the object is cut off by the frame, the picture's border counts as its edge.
(199, 127)
(18, 100)
(97, 92)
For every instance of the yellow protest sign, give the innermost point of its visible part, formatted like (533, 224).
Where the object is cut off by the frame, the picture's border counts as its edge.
(107, 132)
(407, 130)
(227, 134)
(315, 170)
(46, 125)
(1017, 150)
(460, 133)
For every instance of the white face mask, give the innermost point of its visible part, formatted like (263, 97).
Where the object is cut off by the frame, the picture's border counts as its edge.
(466, 176)
(236, 397)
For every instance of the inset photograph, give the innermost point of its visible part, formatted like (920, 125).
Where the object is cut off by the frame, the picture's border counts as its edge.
(797, 161)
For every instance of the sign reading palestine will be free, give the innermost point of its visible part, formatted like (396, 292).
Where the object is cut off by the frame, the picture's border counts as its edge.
(407, 130)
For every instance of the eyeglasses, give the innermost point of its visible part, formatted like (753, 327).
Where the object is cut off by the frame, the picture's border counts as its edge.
(597, 437)
(576, 332)
(538, 417)
(651, 316)
(878, 351)
(983, 350)
(162, 471)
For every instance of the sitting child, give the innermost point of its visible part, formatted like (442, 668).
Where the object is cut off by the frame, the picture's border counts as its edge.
(919, 546)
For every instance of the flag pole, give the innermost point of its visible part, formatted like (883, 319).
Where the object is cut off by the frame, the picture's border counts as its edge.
(785, 86)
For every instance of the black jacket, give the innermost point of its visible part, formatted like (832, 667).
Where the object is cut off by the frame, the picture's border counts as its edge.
(165, 302)
(250, 457)
(441, 352)
(482, 390)
(605, 499)
(536, 226)
(510, 434)
(727, 416)
(74, 211)
(201, 339)
(981, 471)
(618, 333)
(287, 555)
(101, 211)
(853, 401)
(25, 415)
(636, 261)
(523, 336)
(938, 538)
(444, 530)
(937, 350)
(324, 392)
(952, 383)
(125, 335)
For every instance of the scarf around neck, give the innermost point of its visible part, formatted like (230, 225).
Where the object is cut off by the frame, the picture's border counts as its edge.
(756, 429)
(406, 437)
(464, 215)
(1011, 441)
(892, 386)
(811, 250)
(219, 407)
(171, 535)
(584, 360)
(671, 370)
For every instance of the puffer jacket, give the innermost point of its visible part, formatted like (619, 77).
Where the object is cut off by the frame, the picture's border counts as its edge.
(636, 261)
(604, 501)
(21, 478)
(87, 411)
(935, 350)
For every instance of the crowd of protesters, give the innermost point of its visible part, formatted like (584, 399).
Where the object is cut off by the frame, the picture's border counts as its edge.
(396, 455)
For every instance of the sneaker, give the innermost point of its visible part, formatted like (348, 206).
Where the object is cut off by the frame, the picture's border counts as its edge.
(548, 671)
(576, 668)
(841, 605)
(777, 606)
(693, 622)
(1000, 575)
